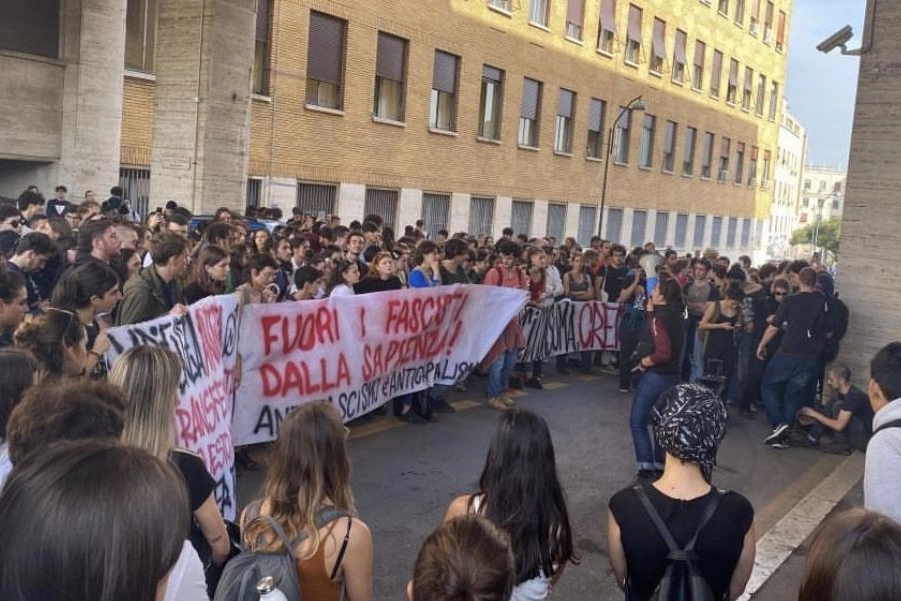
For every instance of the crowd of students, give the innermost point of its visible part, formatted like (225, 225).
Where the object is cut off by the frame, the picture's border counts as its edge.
(96, 493)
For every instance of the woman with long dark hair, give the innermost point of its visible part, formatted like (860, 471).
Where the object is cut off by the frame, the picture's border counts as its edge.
(519, 491)
(659, 356)
(209, 274)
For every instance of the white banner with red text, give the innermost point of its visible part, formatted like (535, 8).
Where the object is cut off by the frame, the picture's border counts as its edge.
(206, 340)
(569, 327)
(358, 352)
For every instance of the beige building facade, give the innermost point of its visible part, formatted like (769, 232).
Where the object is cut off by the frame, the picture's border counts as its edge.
(790, 155)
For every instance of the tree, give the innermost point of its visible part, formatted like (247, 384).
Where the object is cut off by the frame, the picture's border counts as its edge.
(828, 237)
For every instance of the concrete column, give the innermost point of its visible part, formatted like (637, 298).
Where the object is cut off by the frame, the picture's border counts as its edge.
(539, 219)
(503, 215)
(351, 202)
(94, 53)
(571, 227)
(458, 216)
(868, 259)
(409, 209)
(201, 123)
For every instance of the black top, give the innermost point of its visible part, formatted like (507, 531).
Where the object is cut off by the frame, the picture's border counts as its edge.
(200, 483)
(718, 546)
(614, 281)
(858, 403)
(368, 284)
(802, 317)
(193, 293)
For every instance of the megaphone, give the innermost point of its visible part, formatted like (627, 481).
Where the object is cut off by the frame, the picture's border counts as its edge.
(651, 263)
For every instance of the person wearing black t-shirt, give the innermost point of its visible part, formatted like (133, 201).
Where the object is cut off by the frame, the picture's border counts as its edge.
(689, 423)
(849, 418)
(791, 375)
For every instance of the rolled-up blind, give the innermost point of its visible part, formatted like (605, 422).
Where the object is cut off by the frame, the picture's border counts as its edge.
(325, 50)
(389, 62)
(444, 78)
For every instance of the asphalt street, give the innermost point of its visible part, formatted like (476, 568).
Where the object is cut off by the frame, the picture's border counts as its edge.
(404, 476)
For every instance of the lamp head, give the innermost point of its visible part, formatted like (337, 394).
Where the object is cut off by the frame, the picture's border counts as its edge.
(639, 105)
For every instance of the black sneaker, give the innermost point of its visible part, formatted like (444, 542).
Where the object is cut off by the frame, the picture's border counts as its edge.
(777, 435)
(516, 382)
(534, 382)
(442, 406)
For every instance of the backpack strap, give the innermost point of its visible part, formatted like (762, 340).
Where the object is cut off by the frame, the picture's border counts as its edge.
(686, 553)
(655, 517)
(892, 424)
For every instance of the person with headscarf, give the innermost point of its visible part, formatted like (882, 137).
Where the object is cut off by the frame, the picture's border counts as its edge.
(689, 423)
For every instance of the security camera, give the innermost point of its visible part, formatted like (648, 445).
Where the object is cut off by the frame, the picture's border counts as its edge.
(837, 40)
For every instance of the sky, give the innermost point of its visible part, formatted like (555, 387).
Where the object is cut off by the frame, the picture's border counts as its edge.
(821, 88)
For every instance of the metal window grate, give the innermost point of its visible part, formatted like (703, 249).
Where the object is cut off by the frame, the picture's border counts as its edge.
(381, 202)
(614, 225)
(588, 221)
(717, 232)
(254, 192)
(435, 208)
(481, 215)
(556, 221)
(316, 199)
(661, 224)
(745, 233)
(700, 230)
(681, 230)
(731, 230)
(639, 226)
(521, 218)
(135, 184)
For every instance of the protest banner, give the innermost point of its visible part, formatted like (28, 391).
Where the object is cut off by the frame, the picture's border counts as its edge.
(358, 352)
(206, 341)
(568, 327)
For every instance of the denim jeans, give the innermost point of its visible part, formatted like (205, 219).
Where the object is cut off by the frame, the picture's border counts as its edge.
(787, 386)
(696, 360)
(628, 340)
(499, 373)
(650, 386)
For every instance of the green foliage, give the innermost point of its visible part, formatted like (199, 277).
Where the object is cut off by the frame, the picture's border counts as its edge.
(828, 237)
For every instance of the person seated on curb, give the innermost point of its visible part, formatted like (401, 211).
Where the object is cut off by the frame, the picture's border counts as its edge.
(467, 557)
(849, 417)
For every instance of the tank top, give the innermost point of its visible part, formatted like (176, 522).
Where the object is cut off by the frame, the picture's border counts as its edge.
(579, 286)
(315, 581)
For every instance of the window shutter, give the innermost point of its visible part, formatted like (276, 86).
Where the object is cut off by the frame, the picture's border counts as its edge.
(659, 45)
(444, 78)
(700, 51)
(733, 73)
(565, 107)
(389, 61)
(575, 9)
(263, 20)
(680, 46)
(780, 30)
(531, 90)
(634, 23)
(326, 48)
(595, 113)
(492, 73)
(608, 15)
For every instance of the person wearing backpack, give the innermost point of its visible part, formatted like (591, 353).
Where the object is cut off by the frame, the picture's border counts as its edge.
(680, 538)
(306, 515)
(881, 485)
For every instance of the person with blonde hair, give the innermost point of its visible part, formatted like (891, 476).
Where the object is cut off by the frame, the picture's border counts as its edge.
(307, 491)
(149, 376)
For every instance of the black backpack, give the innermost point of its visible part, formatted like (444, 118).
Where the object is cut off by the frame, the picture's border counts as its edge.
(839, 316)
(682, 581)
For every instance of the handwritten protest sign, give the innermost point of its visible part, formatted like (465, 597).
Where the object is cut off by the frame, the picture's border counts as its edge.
(358, 352)
(206, 341)
(569, 327)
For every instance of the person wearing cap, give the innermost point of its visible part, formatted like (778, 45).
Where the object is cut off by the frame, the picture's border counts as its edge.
(689, 424)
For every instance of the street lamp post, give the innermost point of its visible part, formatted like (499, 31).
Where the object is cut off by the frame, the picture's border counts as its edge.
(636, 104)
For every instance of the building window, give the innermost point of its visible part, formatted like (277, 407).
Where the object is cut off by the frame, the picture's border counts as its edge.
(768, 23)
(646, 147)
(639, 227)
(681, 230)
(745, 233)
(808, 185)
(732, 90)
(723, 7)
(716, 74)
(538, 11)
(325, 61)
(752, 168)
(575, 15)
(740, 12)
(754, 15)
(761, 95)
(504, 5)
(254, 193)
(614, 225)
(780, 32)
(588, 220)
(669, 146)
(521, 217)
(660, 226)
(261, 49)
(679, 59)
(317, 199)
(529, 113)
(633, 36)
(658, 47)
(748, 89)
(435, 208)
(731, 230)
(595, 144)
(556, 221)
(140, 35)
(607, 26)
(774, 100)
(739, 163)
(135, 181)
(381, 202)
(443, 105)
(697, 76)
(490, 102)
(621, 137)
(723, 166)
(700, 227)
(765, 171)
(563, 128)
(481, 215)
(688, 158)
(390, 77)
(716, 232)
(707, 155)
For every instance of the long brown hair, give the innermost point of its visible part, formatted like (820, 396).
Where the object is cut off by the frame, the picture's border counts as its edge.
(208, 256)
(309, 468)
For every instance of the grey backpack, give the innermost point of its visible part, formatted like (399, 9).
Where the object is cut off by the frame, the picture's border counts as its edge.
(244, 571)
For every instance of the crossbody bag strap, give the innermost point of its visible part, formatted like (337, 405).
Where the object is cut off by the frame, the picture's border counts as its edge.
(343, 549)
(892, 424)
(655, 517)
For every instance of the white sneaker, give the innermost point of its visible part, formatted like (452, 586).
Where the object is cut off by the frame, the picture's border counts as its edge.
(497, 403)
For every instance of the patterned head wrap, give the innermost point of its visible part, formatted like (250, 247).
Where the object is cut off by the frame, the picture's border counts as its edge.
(690, 423)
